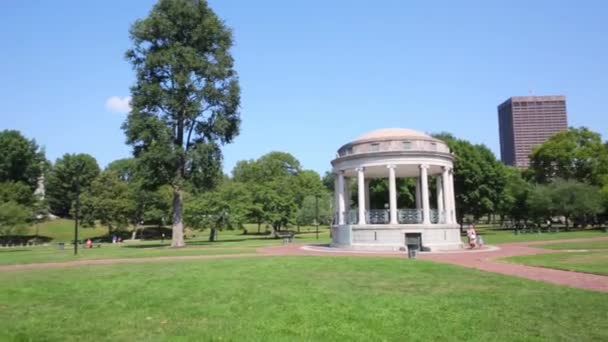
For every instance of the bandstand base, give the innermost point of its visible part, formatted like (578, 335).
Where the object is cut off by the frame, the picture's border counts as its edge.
(392, 237)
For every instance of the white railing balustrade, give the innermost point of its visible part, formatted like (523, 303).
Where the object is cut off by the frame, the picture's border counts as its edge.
(409, 216)
(378, 216)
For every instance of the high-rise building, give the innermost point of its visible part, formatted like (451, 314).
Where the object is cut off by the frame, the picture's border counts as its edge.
(528, 121)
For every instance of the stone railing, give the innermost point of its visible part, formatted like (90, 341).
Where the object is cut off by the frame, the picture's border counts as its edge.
(437, 216)
(378, 216)
(409, 216)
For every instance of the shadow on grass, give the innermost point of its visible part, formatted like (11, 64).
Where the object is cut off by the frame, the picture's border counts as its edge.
(153, 245)
(15, 250)
(8, 240)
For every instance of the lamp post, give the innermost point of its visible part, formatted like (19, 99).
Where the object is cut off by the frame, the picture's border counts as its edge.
(76, 218)
(317, 214)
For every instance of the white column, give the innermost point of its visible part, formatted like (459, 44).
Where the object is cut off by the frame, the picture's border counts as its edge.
(418, 195)
(336, 198)
(361, 194)
(341, 204)
(440, 199)
(446, 195)
(424, 183)
(347, 198)
(368, 204)
(452, 198)
(392, 189)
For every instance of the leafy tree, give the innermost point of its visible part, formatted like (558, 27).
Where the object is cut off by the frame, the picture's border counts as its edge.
(278, 203)
(61, 181)
(577, 153)
(151, 206)
(124, 168)
(514, 199)
(108, 201)
(185, 100)
(328, 181)
(17, 192)
(21, 160)
(313, 205)
(568, 198)
(574, 199)
(479, 178)
(13, 218)
(225, 208)
(278, 185)
(540, 202)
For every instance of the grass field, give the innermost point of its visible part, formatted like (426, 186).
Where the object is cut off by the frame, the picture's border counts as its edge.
(292, 299)
(590, 262)
(587, 256)
(43, 254)
(598, 244)
(495, 236)
(229, 242)
(63, 230)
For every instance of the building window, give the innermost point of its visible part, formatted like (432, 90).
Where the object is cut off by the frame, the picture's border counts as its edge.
(433, 146)
(374, 147)
(349, 150)
(407, 145)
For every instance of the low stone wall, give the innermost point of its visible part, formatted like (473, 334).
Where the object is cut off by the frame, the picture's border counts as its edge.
(392, 237)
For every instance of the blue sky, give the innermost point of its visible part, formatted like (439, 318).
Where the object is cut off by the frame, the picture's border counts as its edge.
(314, 74)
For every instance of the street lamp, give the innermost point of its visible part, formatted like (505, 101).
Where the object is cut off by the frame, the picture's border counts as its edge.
(317, 214)
(76, 218)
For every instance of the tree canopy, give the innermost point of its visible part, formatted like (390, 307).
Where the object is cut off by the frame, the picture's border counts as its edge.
(577, 153)
(21, 160)
(61, 182)
(186, 98)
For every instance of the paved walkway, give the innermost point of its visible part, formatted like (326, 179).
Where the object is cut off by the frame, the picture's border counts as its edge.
(479, 259)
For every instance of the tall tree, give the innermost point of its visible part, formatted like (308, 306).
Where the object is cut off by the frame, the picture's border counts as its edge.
(226, 207)
(186, 98)
(513, 203)
(61, 181)
(21, 160)
(577, 153)
(108, 201)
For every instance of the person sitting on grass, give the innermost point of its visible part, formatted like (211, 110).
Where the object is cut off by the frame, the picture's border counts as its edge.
(472, 235)
(89, 243)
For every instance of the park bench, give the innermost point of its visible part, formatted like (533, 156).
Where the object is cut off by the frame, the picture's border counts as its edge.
(287, 235)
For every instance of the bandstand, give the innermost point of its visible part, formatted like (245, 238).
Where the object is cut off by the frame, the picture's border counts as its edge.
(395, 153)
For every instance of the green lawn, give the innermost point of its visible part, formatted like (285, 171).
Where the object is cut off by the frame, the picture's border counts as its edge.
(229, 242)
(41, 254)
(292, 299)
(598, 244)
(63, 230)
(495, 236)
(590, 262)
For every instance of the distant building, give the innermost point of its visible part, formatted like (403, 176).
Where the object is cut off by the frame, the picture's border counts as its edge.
(528, 121)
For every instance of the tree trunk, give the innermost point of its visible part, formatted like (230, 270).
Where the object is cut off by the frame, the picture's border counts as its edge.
(177, 237)
(212, 235)
(259, 224)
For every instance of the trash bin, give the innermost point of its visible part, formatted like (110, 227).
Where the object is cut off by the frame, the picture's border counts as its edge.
(61, 245)
(412, 251)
